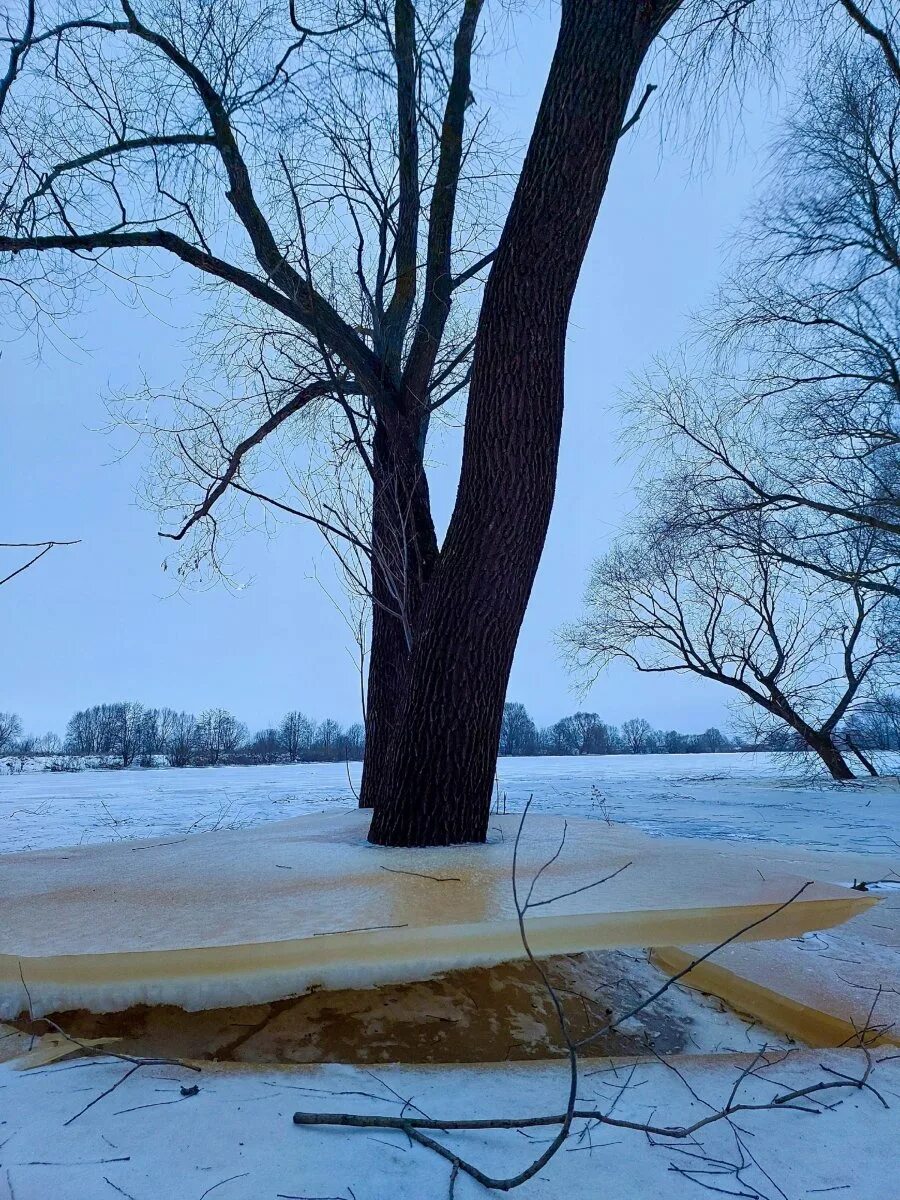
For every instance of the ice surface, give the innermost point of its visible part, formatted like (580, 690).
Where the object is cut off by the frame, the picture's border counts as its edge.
(243, 916)
(739, 796)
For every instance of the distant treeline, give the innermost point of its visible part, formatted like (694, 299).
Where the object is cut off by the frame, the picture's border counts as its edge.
(873, 726)
(132, 733)
(585, 733)
(128, 734)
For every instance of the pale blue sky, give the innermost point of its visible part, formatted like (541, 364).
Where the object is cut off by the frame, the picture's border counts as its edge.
(99, 621)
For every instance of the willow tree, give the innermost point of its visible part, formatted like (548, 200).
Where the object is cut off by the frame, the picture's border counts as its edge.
(170, 131)
(793, 409)
(801, 652)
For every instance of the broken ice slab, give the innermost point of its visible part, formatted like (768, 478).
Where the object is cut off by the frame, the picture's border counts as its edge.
(825, 989)
(787, 987)
(250, 915)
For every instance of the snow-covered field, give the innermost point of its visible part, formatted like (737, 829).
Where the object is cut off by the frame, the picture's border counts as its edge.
(755, 796)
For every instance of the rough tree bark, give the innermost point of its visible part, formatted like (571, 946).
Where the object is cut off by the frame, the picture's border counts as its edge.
(823, 745)
(436, 787)
(404, 551)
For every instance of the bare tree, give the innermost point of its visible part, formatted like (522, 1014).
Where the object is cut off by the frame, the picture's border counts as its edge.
(600, 738)
(353, 742)
(128, 730)
(217, 734)
(338, 152)
(263, 747)
(10, 731)
(295, 735)
(637, 735)
(804, 650)
(327, 740)
(518, 734)
(181, 742)
(797, 414)
(91, 730)
(48, 743)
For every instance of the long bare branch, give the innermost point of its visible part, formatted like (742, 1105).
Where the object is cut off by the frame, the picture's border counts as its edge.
(42, 548)
(231, 469)
(438, 276)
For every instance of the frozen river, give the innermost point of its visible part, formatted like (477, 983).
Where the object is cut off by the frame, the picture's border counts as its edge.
(710, 795)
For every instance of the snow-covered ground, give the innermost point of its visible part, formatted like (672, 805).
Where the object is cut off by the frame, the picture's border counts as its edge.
(755, 796)
(92, 1128)
(100, 1130)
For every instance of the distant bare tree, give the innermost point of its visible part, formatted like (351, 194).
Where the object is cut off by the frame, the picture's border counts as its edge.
(637, 735)
(90, 731)
(263, 747)
(353, 742)
(805, 650)
(600, 738)
(128, 729)
(580, 733)
(295, 735)
(327, 740)
(673, 742)
(181, 741)
(588, 729)
(10, 731)
(48, 743)
(217, 734)
(518, 734)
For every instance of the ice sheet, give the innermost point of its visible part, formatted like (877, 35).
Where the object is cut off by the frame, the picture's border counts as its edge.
(825, 989)
(736, 796)
(244, 916)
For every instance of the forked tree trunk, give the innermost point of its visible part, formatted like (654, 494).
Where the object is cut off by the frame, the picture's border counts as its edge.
(436, 789)
(404, 549)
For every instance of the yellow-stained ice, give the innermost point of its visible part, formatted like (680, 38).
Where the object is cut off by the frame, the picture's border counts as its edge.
(833, 989)
(240, 916)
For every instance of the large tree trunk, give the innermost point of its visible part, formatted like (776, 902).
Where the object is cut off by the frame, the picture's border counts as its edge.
(404, 550)
(823, 745)
(437, 786)
(820, 741)
(386, 676)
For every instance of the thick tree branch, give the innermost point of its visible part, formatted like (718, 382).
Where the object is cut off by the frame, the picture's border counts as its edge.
(406, 241)
(438, 278)
(17, 52)
(473, 270)
(877, 34)
(156, 141)
(307, 306)
(636, 115)
(232, 467)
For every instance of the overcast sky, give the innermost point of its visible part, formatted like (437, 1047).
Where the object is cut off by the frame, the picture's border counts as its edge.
(102, 621)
